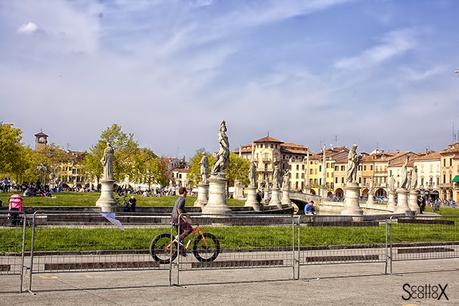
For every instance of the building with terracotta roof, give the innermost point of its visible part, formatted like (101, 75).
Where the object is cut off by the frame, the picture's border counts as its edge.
(449, 172)
(428, 167)
(268, 151)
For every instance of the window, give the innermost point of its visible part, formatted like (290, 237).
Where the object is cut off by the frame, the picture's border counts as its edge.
(302, 175)
(343, 168)
(444, 178)
(302, 167)
(364, 168)
(297, 175)
(320, 167)
(336, 168)
(450, 162)
(371, 167)
(297, 167)
(342, 180)
(336, 180)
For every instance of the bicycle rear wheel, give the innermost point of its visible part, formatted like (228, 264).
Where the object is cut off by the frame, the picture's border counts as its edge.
(163, 249)
(206, 248)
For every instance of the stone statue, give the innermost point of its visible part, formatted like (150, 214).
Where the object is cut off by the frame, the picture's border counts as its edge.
(253, 173)
(204, 169)
(414, 178)
(391, 183)
(276, 176)
(223, 154)
(286, 180)
(107, 162)
(371, 188)
(353, 161)
(408, 179)
(404, 174)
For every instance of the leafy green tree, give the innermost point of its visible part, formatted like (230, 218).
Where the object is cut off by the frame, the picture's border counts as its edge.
(238, 169)
(149, 168)
(11, 148)
(125, 148)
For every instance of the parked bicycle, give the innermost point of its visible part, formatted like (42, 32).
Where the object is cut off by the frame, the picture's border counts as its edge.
(164, 247)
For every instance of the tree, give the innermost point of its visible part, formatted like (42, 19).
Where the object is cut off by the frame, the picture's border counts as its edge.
(11, 148)
(149, 168)
(125, 150)
(238, 170)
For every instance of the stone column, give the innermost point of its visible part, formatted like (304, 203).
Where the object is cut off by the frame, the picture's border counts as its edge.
(402, 202)
(391, 202)
(252, 198)
(203, 195)
(275, 198)
(216, 204)
(351, 200)
(106, 201)
(413, 202)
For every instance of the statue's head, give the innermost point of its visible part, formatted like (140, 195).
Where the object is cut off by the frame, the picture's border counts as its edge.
(223, 126)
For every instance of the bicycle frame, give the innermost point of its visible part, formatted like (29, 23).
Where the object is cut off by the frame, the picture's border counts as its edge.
(196, 230)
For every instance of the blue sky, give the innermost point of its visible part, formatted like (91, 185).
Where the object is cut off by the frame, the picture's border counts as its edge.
(368, 72)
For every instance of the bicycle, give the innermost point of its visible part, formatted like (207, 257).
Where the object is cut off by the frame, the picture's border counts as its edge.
(206, 247)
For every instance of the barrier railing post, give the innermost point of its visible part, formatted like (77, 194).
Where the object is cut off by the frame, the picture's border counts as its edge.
(299, 245)
(293, 249)
(386, 250)
(170, 261)
(178, 249)
(390, 245)
(24, 223)
(32, 245)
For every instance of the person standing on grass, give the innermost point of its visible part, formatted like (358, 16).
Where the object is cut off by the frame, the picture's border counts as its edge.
(179, 220)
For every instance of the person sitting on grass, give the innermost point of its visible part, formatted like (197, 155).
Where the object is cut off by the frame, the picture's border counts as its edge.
(181, 221)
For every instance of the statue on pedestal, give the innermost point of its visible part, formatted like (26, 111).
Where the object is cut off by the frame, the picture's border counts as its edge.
(276, 176)
(286, 180)
(404, 174)
(204, 169)
(414, 178)
(353, 161)
(107, 162)
(223, 154)
(253, 174)
(391, 183)
(408, 179)
(371, 188)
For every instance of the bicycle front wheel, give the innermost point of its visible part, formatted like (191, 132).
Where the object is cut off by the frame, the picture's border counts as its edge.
(206, 248)
(163, 249)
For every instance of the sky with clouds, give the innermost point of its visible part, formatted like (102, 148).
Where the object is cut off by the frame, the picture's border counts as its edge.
(313, 72)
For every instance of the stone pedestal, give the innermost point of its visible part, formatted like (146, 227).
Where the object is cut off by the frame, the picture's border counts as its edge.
(413, 202)
(106, 201)
(203, 195)
(275, 198)
(402, 202)
(252, 198)
(216, 204)
(351, 200)
(391, 201)
(286, 197)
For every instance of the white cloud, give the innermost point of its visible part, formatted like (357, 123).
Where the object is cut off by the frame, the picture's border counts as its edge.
(28, 28)
(392, 44)
(421, 75)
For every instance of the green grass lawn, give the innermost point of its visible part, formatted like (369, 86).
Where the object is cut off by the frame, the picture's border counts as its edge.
(237, 237)
(446, 211)
(90, 198)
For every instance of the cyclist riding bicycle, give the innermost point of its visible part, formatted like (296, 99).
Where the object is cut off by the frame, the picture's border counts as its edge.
(179, 220)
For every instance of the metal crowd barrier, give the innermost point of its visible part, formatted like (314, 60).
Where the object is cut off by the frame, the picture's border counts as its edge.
(13, 239)
(297, 242)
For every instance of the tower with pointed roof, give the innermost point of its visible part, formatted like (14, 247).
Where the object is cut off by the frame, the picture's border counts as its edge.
(41, 140)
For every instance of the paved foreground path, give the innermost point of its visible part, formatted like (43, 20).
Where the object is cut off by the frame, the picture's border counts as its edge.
(345, 284)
